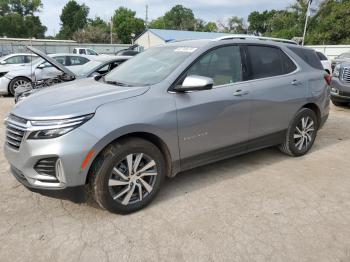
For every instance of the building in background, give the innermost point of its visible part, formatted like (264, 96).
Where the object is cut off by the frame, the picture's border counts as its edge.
(154, 37)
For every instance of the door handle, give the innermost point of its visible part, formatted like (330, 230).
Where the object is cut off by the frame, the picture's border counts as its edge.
(240, 93)
(296, 83)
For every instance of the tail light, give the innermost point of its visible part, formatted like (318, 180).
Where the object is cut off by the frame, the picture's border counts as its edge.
(328, 79)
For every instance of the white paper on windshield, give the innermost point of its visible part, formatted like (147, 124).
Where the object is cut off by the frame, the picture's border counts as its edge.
(186, 49)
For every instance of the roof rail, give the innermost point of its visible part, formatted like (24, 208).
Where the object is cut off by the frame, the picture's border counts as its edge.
(253, 37)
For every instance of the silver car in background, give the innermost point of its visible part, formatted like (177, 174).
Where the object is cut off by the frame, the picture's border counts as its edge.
(17, 59)
(13, 77)
(168, 109)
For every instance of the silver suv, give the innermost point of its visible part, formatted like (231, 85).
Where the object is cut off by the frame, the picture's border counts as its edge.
(169, 109)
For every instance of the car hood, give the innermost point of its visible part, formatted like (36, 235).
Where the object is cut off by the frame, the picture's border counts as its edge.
(72, 99)
(51, 61)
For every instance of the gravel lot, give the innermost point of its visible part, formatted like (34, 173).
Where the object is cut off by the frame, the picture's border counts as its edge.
(263, 206)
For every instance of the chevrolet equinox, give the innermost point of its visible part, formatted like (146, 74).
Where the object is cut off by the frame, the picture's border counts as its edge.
(169, 109)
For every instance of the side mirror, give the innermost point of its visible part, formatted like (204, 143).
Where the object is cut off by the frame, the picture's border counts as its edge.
(41, 66)
(195, 83)
(3, 63)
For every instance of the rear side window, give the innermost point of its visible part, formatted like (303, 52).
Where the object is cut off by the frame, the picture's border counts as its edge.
(223, 65)
(309, 56)
(15, 60)
(77, 60)
(266, 61)
(82, 52)
(321, 56)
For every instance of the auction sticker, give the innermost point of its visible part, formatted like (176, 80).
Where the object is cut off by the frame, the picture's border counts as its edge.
(185, 49)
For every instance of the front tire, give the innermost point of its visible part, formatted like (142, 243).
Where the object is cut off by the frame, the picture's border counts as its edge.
(301, 133)
(127, 175)
(17, 82)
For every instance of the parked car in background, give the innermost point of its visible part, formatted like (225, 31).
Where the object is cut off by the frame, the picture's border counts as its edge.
(11, 78)
(17, 59)
(340, 85)
(84, 51)
(344, 57)
(101, 65)
(130, 51)
(326, 63)
(168, 109)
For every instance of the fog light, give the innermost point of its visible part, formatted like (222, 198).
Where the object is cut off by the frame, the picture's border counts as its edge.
(60, 171)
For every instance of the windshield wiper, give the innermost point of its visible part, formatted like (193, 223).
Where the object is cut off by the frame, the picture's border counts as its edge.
(116, 83)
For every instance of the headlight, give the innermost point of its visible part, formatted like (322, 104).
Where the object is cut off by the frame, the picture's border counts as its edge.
(336, 71)
(54, 128)
(3, 74)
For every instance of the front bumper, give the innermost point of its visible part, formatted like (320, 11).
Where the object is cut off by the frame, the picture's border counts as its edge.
(70, 149)
(4, 84)
(340, 91)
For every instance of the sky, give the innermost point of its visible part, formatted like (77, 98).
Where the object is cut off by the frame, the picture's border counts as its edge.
(208, 10)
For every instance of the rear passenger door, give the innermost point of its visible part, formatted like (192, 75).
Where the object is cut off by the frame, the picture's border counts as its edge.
(277, 89)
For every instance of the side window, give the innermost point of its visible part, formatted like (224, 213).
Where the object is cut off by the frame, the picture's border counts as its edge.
(265, 61)
(61, 60)
(15, 60)
(309, 56)
(91, 52)
(78, 60)
(74, 51)
(223, 65)
(82, 52)
(288, 64)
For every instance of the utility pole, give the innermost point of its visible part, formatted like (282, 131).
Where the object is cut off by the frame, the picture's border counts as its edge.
(111, 29)
(308, 13)
(148, 38)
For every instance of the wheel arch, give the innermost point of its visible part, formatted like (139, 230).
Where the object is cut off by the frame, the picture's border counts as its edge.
(16, 77)
(154, 139)
(316, 109)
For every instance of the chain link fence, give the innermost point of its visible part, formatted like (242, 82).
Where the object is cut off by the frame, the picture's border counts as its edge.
(7, 47)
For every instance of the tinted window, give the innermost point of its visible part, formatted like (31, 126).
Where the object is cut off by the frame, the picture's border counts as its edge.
(264, 61)
(91, 52)
(74, 51)
(309, 56)
(77, 60)
(19, 59)
(82, 51)
(321, 56)
(223, 65)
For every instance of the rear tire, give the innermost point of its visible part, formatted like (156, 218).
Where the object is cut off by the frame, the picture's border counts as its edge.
(301, 133)
(16, 82)
(127, 175)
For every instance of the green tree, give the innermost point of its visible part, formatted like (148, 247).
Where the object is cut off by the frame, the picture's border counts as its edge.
(73, 18)
(125, 23)
(158, 23)
(180, 18)
(17, 19)
(234, 25)
(91, 34)
(211, 27)
(330, 24)
(259, 23)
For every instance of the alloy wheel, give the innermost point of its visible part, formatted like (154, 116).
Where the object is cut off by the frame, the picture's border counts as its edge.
(133, 178)
(304, 133)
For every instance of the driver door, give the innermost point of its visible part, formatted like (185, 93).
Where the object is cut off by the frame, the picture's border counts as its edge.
(213, 124)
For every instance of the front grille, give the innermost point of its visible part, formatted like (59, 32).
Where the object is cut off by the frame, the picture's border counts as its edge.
(47, 168)
(346, 74)
(15, 131)
(342, 93)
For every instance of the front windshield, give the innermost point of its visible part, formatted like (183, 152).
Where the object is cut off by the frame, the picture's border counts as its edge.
(345, 55)
(86, 68)
(150, 67)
